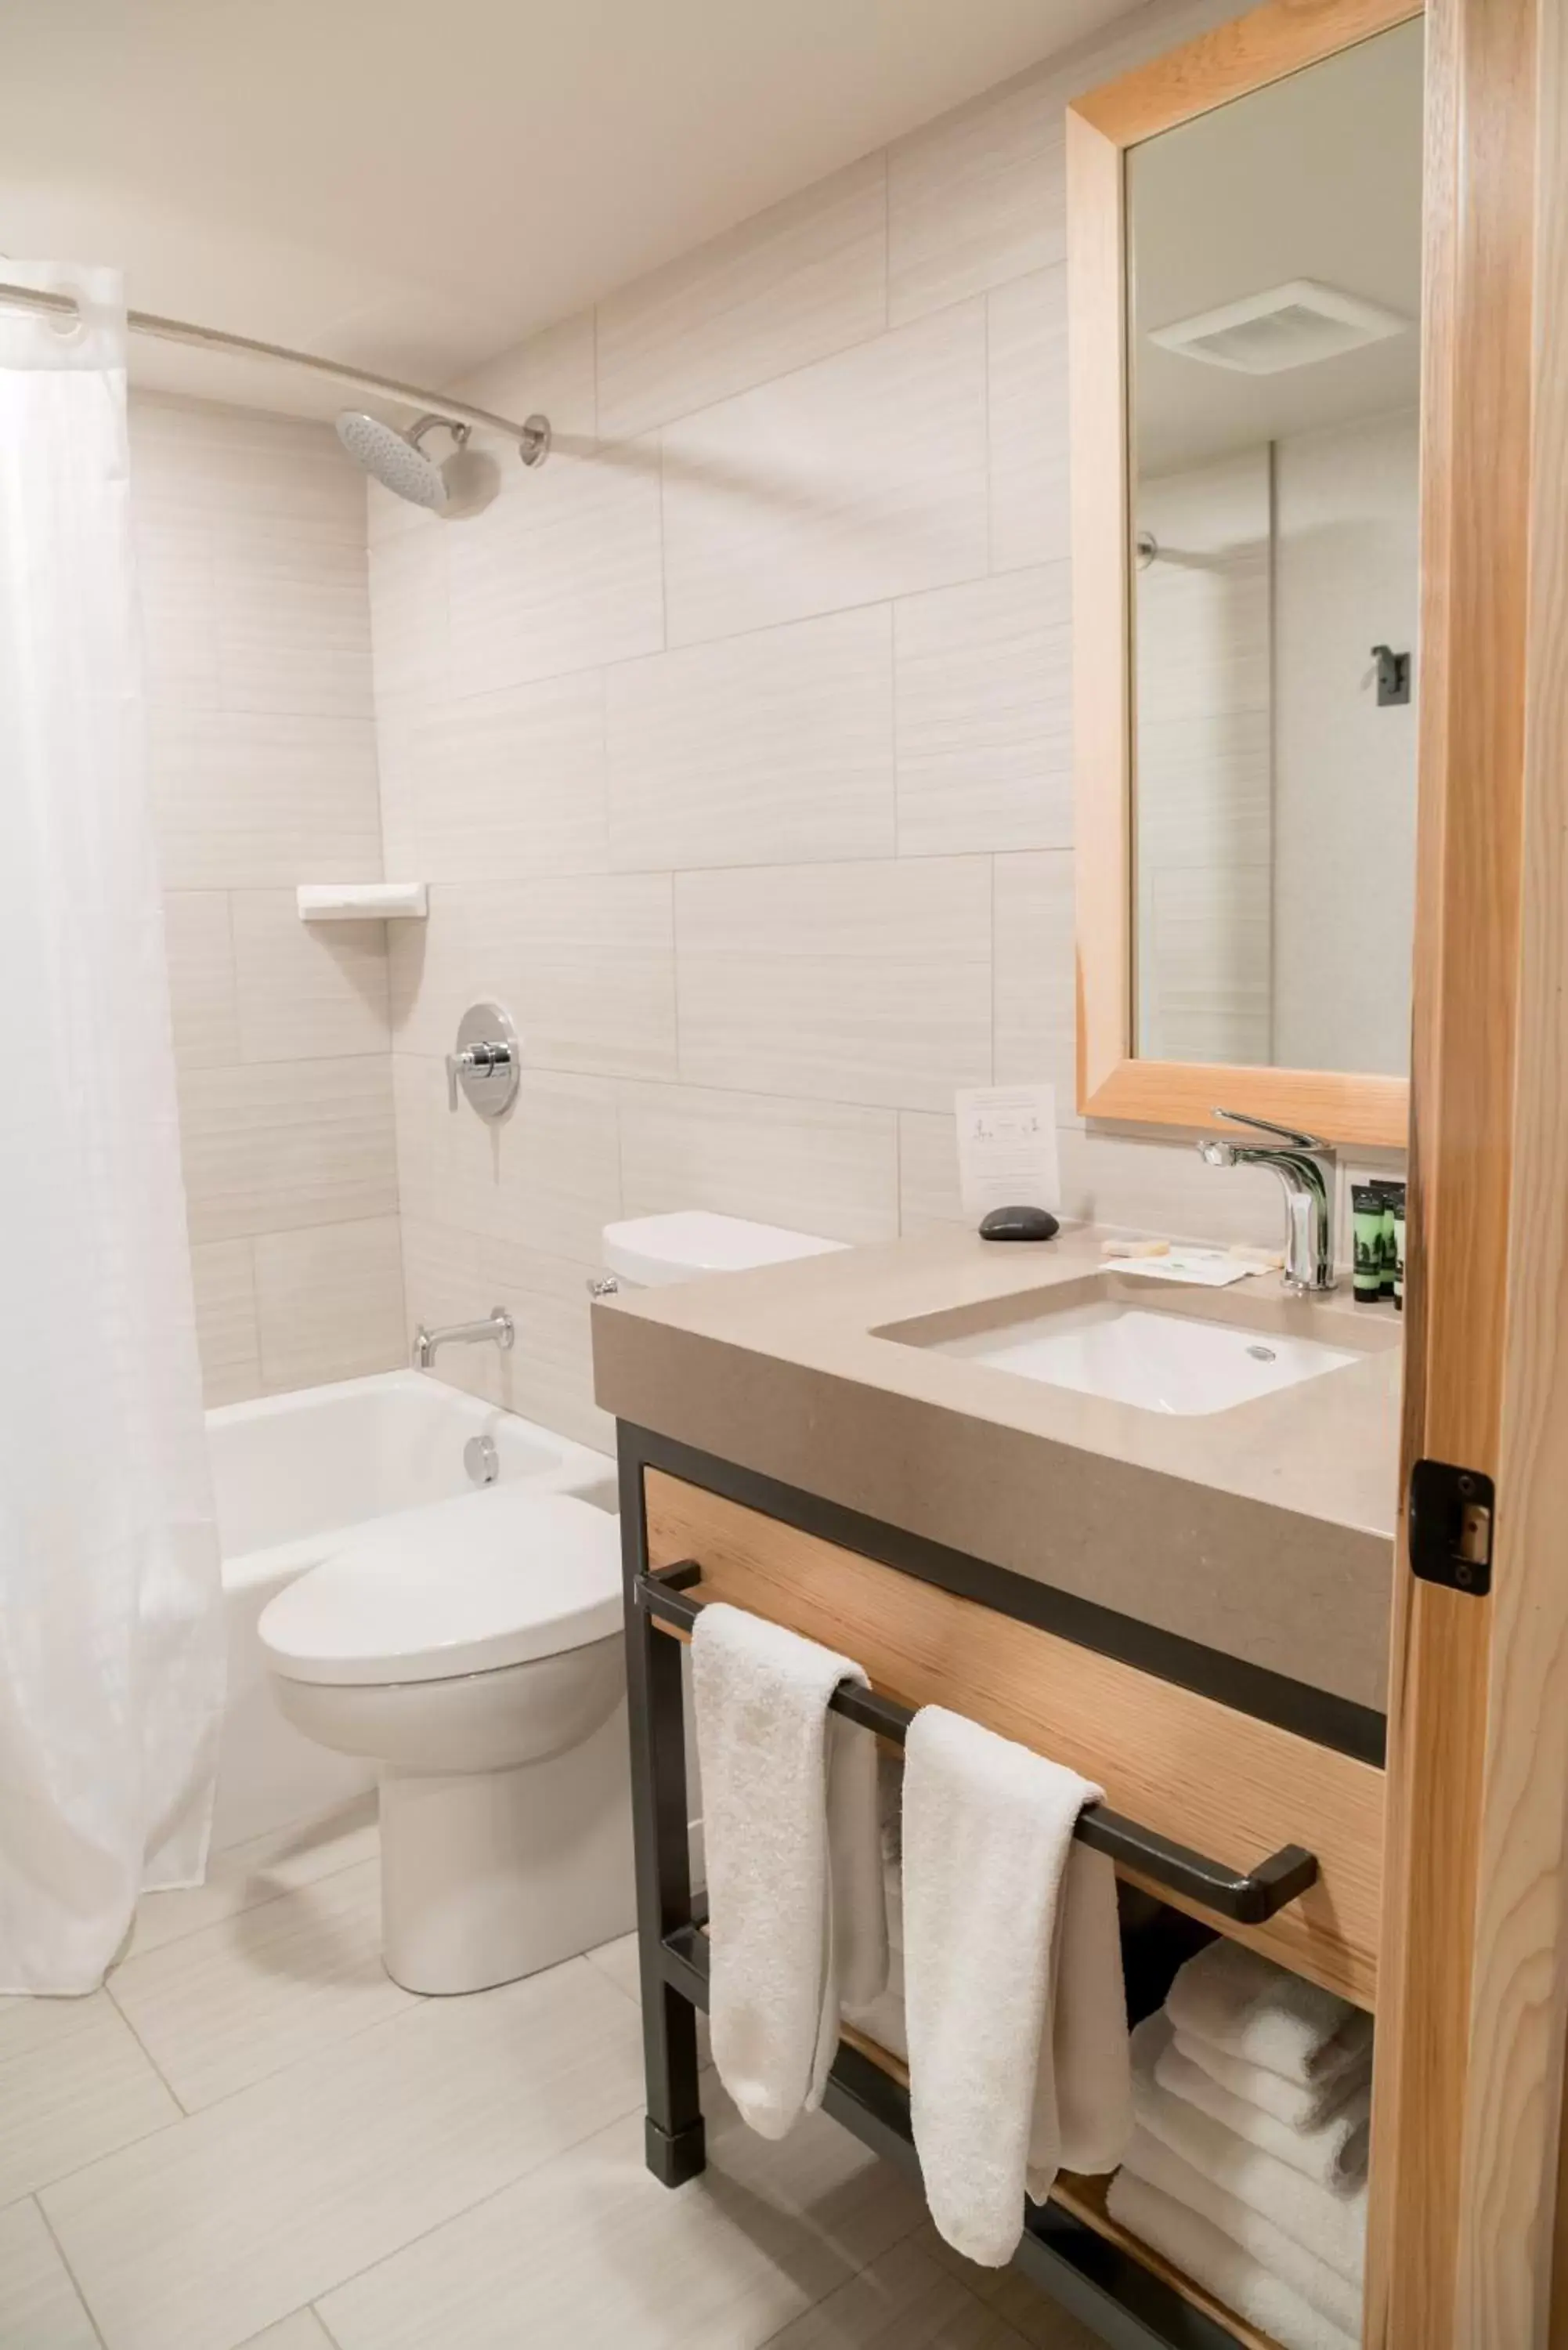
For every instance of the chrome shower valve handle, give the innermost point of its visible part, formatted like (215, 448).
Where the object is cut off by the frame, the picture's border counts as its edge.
(486, 1062)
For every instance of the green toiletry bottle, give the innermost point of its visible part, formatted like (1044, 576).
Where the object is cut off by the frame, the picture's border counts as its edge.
(1399, 1250)
(1366, 1210)
(1390, 1193)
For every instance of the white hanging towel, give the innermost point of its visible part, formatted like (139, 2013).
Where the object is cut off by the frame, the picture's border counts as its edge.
(798, 1925)
(1015, 2003)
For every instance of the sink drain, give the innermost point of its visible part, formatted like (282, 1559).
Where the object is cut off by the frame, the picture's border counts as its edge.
(1262, 1354)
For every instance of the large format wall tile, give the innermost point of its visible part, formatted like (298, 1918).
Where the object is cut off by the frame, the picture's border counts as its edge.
(811, 1166)
(199, 943)
(250, 536)
(584, 966)
(599, 975)
(1030, 514)
(928, 1194)
(858, 478)
(1034, 1003)
(977, 197)
(546, 1177)
(804, 278)
(282, 1145)
(983, 692)
(258, 801)
(774, 748)
(306, 991)
(224, 1272)
(500, 785)
(561, 573)
(408, 593)
(329, 1303)
(867, 982)
(294, 622)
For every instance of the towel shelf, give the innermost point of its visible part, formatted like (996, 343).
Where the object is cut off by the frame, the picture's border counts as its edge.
(666, 1595)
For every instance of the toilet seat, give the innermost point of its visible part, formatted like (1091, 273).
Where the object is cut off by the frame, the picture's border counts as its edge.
(465, 1586)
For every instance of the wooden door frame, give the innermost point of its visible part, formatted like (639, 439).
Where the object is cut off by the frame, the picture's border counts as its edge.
(1474, 1960)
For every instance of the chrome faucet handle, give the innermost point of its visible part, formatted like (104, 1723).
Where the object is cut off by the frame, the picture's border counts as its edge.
(484, 1067)
(1281, 1133)
(477, 1061)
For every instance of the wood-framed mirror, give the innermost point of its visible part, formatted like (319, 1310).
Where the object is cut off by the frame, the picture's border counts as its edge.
(1244, 274)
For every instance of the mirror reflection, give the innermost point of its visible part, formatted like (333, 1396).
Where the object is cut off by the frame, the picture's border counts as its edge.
(1274, 344)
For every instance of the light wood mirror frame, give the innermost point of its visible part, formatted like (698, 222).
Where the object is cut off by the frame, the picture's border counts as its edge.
(1112, 1082)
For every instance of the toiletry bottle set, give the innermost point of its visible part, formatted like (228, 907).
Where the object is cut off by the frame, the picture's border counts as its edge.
(1377, 1209)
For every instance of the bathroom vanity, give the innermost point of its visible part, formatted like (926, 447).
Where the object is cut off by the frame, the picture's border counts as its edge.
(1189, 1609)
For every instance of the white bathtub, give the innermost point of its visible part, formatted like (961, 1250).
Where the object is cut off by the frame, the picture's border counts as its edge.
(295, 1475)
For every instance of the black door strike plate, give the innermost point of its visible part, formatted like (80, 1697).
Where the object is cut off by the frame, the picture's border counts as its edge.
(1451, 1514)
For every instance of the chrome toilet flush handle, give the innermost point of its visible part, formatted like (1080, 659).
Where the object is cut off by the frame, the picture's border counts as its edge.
(486, 1062)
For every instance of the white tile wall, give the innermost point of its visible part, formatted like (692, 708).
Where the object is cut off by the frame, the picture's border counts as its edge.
(251, 541)
(804, 279)
(845, 482)
(770, 748)
(737, 742)
(984, 696)
(859, 983)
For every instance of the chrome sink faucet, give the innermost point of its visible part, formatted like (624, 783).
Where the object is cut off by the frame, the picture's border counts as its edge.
(497, 1328)
(1305, 1167)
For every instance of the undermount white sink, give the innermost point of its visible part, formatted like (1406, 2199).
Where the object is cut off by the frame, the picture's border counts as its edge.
(1158, 1361)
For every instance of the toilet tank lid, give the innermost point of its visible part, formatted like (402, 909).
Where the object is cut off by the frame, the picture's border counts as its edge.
(652, 1249)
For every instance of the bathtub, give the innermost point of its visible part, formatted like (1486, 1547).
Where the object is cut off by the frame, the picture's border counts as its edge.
(297, 1475)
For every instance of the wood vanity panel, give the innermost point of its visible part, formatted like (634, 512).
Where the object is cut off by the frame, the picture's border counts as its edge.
(1195, 1771)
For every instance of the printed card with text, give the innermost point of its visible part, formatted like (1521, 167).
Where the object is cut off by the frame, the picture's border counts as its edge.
(1007, 1148)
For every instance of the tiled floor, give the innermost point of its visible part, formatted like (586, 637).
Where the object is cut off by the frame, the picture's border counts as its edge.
(253, 2140)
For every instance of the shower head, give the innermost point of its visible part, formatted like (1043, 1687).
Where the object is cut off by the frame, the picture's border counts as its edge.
(464, 485)
(396, 459)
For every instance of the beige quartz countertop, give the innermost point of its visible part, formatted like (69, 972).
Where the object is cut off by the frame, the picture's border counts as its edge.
(1264, 1531)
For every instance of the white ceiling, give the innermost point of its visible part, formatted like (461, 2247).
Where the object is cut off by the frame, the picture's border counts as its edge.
(1316, 176)
(414, 185)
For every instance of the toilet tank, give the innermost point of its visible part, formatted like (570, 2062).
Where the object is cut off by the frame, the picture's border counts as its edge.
(646, 1251)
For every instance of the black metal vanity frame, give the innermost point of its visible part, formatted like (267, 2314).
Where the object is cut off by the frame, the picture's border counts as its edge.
(1123, 2302)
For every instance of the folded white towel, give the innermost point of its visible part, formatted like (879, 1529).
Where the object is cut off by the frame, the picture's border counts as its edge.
(1245, 2004)
(1332, 2226)
(1334, 2296)
(1211, 2259)
(796, 1923)
(1014, 2006)
(1300, 2104)
(1334, 2153)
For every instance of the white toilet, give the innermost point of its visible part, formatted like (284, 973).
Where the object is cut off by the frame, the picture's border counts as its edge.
(473, 1649)
(646, 1251)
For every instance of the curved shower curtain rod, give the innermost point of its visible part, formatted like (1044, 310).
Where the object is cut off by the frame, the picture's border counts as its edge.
(213, 339)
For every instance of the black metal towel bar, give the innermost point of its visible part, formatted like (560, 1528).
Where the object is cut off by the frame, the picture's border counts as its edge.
(665, 1593)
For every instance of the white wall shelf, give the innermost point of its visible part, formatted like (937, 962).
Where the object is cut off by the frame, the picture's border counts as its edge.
(362, 901)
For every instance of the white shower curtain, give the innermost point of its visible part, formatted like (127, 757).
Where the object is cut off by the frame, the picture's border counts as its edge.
(111, 1638)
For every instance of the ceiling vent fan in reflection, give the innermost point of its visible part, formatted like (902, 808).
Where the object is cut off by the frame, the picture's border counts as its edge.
(1288, 327)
